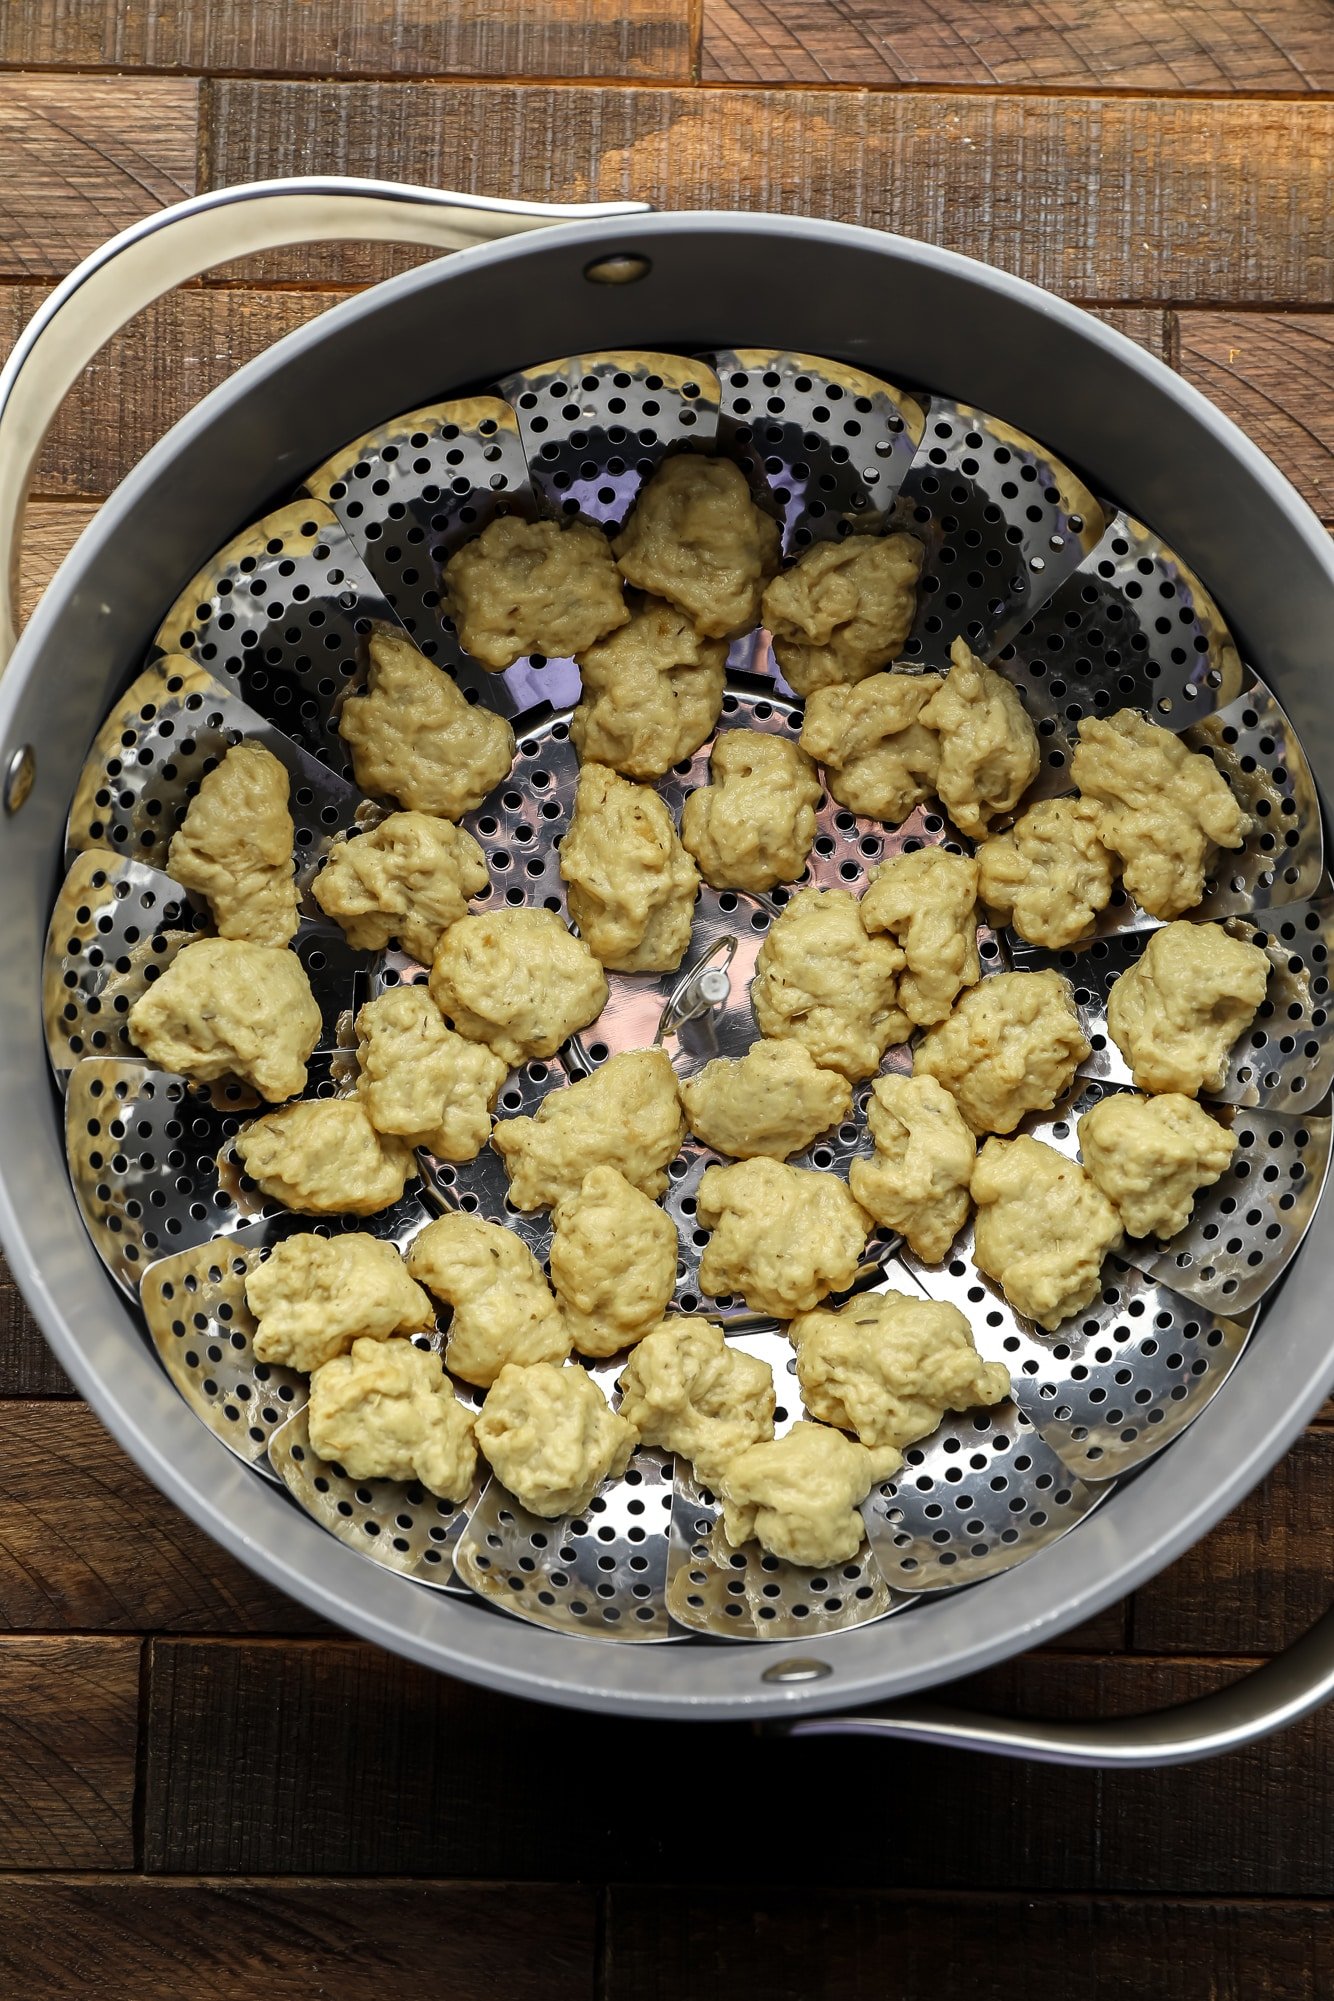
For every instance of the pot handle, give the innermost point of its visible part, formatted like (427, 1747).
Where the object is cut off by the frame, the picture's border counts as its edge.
(177, 243)
(1270, 1698)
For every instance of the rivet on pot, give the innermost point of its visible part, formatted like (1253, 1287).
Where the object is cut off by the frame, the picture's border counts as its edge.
(797, 1669)
(625, 268)
(20, 771)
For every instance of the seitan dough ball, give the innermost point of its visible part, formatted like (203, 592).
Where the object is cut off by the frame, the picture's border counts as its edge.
(685, 1390)
(613, 1262)
(916, 1182)
(774, 1100)
(323, 1157)
(843, 609)
(927, 900)
(887, 1366)
(627, 1114)
(235, 847)
(988, 747)
(552, 1438)
(631, 884)
(421, 1081)
(416, 738)
(517, 980)
(1011, 1046)
(697, 538)
(798, 1495)
(652, 693)
(1050, 875)
(410, 878)
(1175, 1014)
(1166, 810)
(880, 759)
(522, 587)
(819, 980)
(1151, 1156)
(387, 1411)
(1043, 1228)
(783, 1237)
(503, 1307)
(751, 827)
(312, 1297)
(223, 1008)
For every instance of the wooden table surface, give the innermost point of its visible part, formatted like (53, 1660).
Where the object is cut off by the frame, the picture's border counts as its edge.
(203, 1791)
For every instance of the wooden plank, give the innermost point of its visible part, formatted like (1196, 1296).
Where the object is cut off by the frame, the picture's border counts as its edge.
(69, 1711)
(1273, 373)
(50, 530)
(27, 1366)
(1167, 45)
(82, 157)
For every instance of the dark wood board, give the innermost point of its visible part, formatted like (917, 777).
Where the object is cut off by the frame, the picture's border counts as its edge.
(69, 1729)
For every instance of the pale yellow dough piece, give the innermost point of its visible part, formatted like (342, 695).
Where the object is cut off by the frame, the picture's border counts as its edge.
(1011, 1046)
(1175, 1014)
(697, 538)
(652, 693)
(783, 1237)
(631, 884)
(314, 1296)
(387, 1411)
(819, 980)
(1043, 1228)
(927, 900)
(843, 609)
(415, 737)
(224, 1008)
(752, 825)
(774, 1100)
(887, 1366)
(523, 587)
(421, 1081)
(613, 1262)
(323, 1157)
(798, 1495)
(627, 1114)
(504, 1310)
(235, 847)
(1166, 809)
(880, 759)
(916, 1182)
(1151, 1156)
(552, 1438)
(988, 747)
(1051, 874)
(685, 1390)
(410, 878)
(517, 980)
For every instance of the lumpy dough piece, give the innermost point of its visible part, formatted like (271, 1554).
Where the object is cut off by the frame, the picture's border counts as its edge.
(1175, 1014)
(651, 693)
(880, 759)
(522, 587)
(235, 847)
(314, 1296)
(421, 1081)
(888, 1366)
(774, 1100)
(224, 1008)
(410, 878)
(552, 1438)
(1151, 1156)
(1011, 1046)
(1051, 874)
(504, 1310)
(988, 747)
(697, 538)
(517, 980)
(387, 1411)
(1043, 1228)
(798, 1495)
(821, 981)
(843, 609)
(685, 1390)
(626, 1115)
(928, 901)
(323, 1157)
(1166, 809)
(916, 1182)
(783, 1237)
(752, 825)
(415, 737)
(613, 1262)
(631, 884)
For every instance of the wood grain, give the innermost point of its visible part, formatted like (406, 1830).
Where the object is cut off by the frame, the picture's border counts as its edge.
(1273, 373)
(50, 530)
(69, 1713)
(27, 1366)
